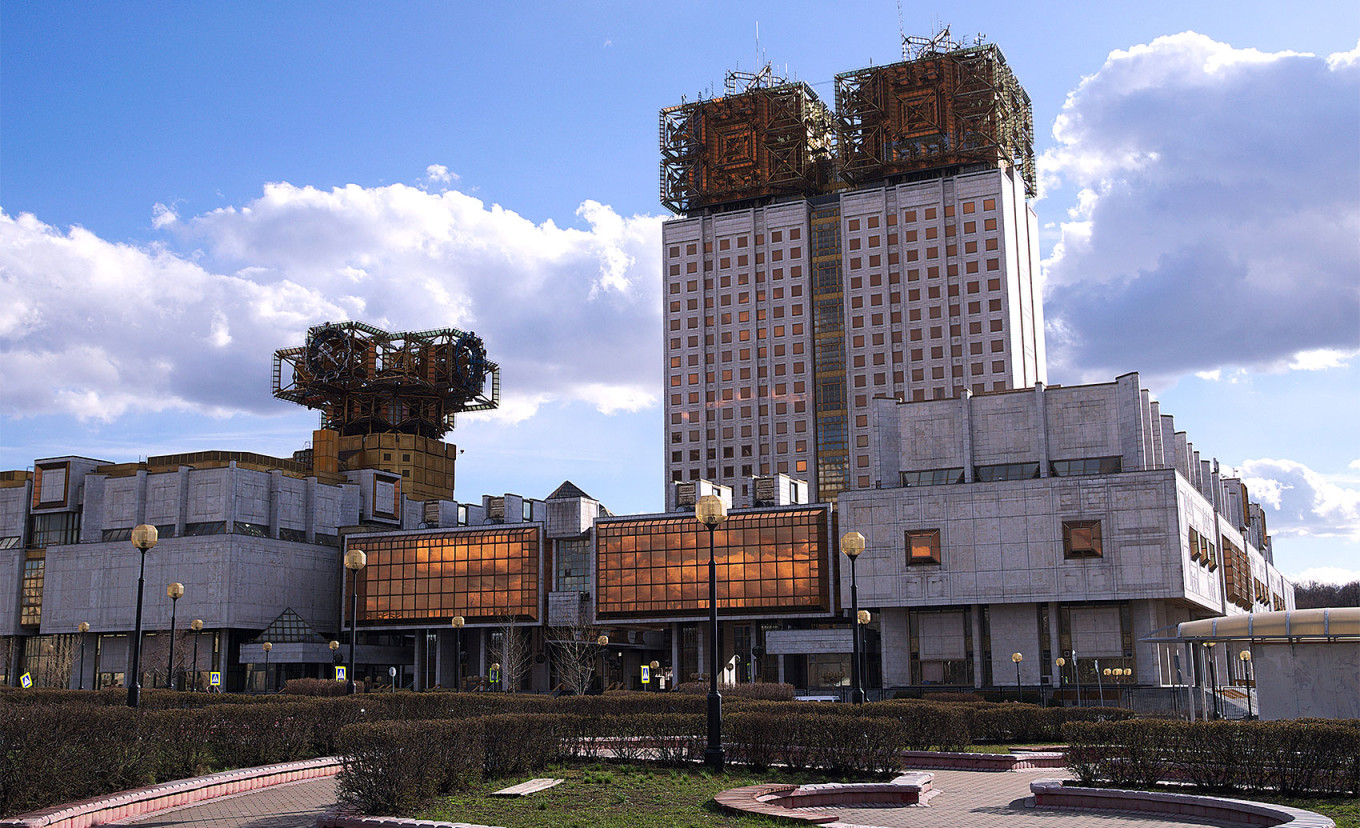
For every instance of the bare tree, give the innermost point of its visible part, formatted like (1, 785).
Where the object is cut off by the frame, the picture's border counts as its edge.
(511, 651)
(574, 653)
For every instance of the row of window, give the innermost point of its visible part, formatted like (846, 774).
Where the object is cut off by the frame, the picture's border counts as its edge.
(1017, 471)
(1081, 539)
(219, 527)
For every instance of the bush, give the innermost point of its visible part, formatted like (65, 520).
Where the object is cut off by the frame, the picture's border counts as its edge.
(394, 767)
(763, 691)
(319, 687)
(1294, 757)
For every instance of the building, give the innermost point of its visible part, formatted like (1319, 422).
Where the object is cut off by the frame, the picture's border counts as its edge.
(1052, 522)
(822, 259)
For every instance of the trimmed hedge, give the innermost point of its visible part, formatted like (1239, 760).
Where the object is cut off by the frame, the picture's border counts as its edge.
(1300, 757)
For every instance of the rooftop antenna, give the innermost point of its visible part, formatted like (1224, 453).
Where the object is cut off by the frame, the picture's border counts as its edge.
(759, 59)
(901, 30)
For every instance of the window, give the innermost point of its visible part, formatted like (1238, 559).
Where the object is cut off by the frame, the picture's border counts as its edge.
(124, 534)
(255, 530)
(1086, 466)
(30, 607)
(53, 529)
(1081, 539)
(933, 477)
(1006, 471)
(292, 535)
(923, 546)
(194, 530)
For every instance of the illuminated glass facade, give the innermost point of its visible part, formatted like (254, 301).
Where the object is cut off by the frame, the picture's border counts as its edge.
(481, 575)
(767, 562)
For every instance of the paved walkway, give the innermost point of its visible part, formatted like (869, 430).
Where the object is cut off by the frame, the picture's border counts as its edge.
(980, 799)
(972, 799)
(294, 805)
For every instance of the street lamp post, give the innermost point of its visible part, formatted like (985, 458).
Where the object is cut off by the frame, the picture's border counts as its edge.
(1100, 686)
(1017, 658)
(1213, 677)
(852, 544)
(655, 666)
(355, 559)
(84, 628)
(1061, 662)
(496, 675)
(458, 622)
(711, 511)
(197, 626)
(1245, 657)
(175, 591)
(1076, 678)
(267, 647)
(144, 537)
(602, 642)
(335, 653)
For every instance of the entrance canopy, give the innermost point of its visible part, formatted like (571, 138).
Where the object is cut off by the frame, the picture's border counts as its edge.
(1323, 624)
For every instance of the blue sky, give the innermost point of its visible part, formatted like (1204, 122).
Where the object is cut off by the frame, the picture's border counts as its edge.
(186, 187)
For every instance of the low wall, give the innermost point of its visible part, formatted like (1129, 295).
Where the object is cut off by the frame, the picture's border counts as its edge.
(1052, 793)
(142, 801)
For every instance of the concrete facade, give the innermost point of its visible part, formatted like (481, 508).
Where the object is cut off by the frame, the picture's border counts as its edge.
(1000, 479)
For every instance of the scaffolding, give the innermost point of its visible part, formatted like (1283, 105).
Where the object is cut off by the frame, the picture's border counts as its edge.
(766, 137)
(950, 104)
(365, 380)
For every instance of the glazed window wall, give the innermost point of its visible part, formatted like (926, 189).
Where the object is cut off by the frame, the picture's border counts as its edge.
(766, 562)
(481, 575)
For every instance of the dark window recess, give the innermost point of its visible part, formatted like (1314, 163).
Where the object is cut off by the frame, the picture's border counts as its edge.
(166, 531)
(923, 546)
(255, 530)
(195, 530)
(11, 542)
(1087, 466)
(53, 529)
(933, 477)
(1006, 471)
(294, 535)
(321, 539)
(1081, 539)
(124, 534)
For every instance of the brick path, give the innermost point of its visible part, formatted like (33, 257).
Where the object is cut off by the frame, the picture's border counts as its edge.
(972, 799)
(294, 805)
(977, 799)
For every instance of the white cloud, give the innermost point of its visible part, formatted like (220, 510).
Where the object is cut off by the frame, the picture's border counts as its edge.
(440, 173)
(571, 314)
(1326, 575)
(1215, 220)
(1301, 502)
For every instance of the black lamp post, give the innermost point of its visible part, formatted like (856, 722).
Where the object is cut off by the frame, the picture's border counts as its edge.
(267, 646)
(1100, 685)
(852, 543)
(1061, 662)
(1017, 658)
(458, 623)
(1213, 677)
(197, 626)
(1245, 657)
(84, 628)
(175, 591)
(711, 511)
(654, 674)
(355, 559)
(144, 537)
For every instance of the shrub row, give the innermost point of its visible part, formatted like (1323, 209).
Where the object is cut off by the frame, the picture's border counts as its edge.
(1306, 756)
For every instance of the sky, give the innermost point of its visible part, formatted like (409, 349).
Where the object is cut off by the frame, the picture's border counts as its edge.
(185, 188)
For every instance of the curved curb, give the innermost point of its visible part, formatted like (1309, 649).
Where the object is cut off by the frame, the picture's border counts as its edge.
(778, 801)
(1051, 793)
(142, 801)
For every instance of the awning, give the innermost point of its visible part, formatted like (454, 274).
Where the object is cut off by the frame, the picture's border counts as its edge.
(1326, 623)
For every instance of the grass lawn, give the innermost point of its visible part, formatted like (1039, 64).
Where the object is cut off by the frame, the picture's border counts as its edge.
(1344, 812)
(614, 796)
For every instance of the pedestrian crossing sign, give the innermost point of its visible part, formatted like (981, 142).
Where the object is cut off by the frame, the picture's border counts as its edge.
(215, 679)
(339, 673)
(26, 681)
(646, 674)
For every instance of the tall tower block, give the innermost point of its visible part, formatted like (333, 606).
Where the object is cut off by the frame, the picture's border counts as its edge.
(811, 269)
